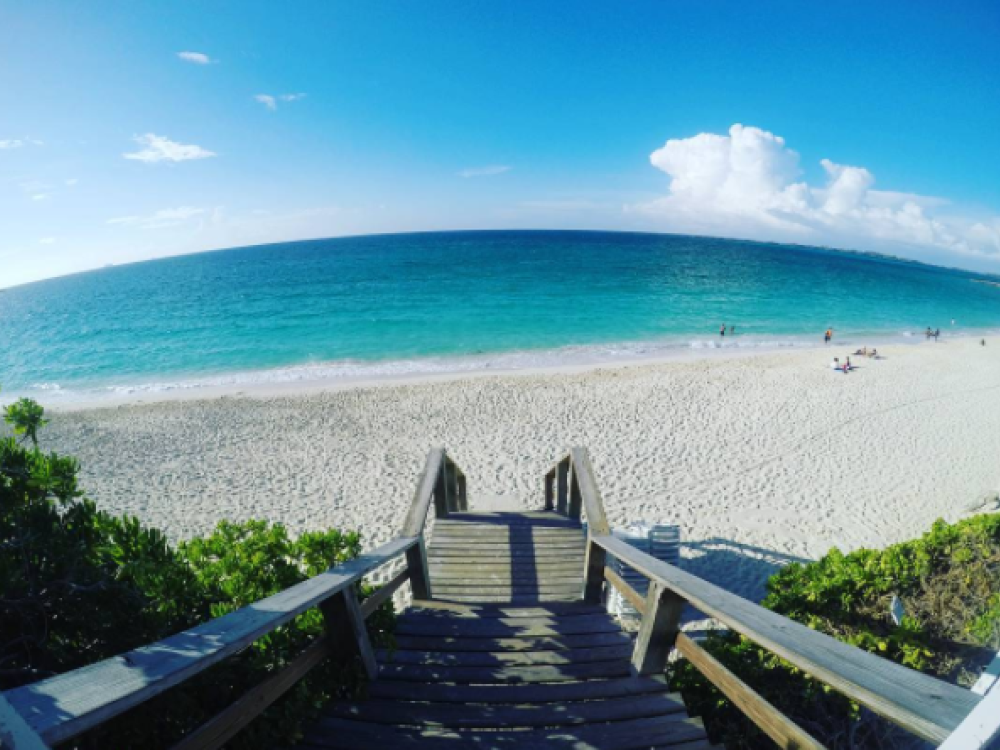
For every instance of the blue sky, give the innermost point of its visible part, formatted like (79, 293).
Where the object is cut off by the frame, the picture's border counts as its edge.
(855, 124)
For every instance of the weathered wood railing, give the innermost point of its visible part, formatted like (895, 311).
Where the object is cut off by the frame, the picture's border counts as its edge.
(925, 706)
(54, 710)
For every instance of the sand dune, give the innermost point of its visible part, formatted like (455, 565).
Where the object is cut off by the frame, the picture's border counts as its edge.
(760, 460)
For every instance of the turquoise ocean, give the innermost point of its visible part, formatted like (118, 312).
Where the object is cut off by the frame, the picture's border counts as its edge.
(386, 305)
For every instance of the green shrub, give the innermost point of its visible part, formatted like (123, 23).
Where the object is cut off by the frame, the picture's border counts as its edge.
(78, 585)
(947, 582)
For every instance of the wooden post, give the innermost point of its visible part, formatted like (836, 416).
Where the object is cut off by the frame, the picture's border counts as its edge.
(345, 626)
(562, 487)
(463, 499)
(550, 480)
(658, 630)
(593, 571)
(420, 577)
(441, 491)
(575, 498)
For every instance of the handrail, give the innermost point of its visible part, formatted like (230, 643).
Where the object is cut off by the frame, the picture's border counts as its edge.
(62, 707)
(919, 703)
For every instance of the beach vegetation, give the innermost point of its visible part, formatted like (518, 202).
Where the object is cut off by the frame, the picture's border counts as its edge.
(78, 585)
(949, 626)
(26, 416)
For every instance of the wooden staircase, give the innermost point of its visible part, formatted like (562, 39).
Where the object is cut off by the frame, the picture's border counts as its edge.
(506, 644)
(508, 655)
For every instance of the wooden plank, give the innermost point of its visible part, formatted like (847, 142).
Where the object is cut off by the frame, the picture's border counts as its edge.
(416, 565)
(493, 534)
(502, 574)
(384, 593)
(503, 675)
(633, 597)
(559, 692)
(921, 704)
(477, 716)
(61, 707)
(438, 643)
(417, 516)
(637, 734)
(596, 562)
(785, 733)
(509, 627)
(472, 546)
(459, 612)
(447, 588)
(658, 630)
(218, 731)
(14, 730)
(559, 569)
(515, 599)
(505, 658)
(583, 473)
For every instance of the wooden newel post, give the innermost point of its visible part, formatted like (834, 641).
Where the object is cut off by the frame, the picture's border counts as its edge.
(550, 490)
(658, 631)
(420, 577)
(441, 491)
(463, 499)
(562, 475)
(575, 498)
(345, 627)
(593, 585)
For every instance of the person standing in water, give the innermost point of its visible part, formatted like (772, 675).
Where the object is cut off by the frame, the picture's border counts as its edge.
(722, 330)
(828, 336)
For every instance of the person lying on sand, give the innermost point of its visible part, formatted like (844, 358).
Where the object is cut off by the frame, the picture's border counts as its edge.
(861, 352)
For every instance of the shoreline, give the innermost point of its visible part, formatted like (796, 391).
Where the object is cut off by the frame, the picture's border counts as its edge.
(761, 460)
(196, 390)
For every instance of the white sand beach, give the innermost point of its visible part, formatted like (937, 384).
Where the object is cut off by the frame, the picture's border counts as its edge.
(760, 460)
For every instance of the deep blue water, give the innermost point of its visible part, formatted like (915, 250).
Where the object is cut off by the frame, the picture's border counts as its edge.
(452, 301)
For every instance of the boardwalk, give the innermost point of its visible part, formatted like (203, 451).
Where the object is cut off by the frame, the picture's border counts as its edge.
(508, 655)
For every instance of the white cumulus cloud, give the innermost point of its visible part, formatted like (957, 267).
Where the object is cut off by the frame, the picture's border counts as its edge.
(487, 171)
(157, 148)
(167, 217)
(198, 58)
(747, 184)
(12, 143)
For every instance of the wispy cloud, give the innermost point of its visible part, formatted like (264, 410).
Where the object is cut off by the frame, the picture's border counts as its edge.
(745, 184)
(47, 241)
(198, 58)
(267, 100)
(487, 171)
(167, 217)
(40, 197)
(157, 148)
(72, 181)
(12, 143)
(271, 102)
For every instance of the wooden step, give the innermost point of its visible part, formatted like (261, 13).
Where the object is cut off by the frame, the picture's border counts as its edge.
(438, 609)
(544, 693)
(505, 675)
(480, 716)
(437, 643)
(506, 658)
(508, 627)
(679, 734)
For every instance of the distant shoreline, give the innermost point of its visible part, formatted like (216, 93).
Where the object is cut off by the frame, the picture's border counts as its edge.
(196, 390)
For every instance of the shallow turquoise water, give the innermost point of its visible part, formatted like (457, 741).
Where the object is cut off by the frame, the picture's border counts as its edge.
(455, 301)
